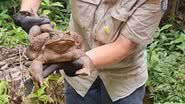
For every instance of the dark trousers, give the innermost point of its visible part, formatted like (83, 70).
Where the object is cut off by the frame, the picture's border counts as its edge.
(97, 94)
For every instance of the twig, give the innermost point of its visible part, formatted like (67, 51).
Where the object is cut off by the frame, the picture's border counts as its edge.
(21, 65)
(20, 59)
(23, 54)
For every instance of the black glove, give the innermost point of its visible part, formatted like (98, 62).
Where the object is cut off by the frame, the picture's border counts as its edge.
(69, 68)
(25, 20)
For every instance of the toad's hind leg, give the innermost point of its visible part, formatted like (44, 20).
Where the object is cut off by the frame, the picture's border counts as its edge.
(36, 70)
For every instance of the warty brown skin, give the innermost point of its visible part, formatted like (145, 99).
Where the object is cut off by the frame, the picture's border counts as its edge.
(53, 46)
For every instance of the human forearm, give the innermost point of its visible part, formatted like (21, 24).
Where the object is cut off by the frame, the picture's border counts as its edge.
(111, 53)
(30, 5)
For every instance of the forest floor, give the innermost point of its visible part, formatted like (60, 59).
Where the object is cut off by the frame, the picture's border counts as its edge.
(13, 69)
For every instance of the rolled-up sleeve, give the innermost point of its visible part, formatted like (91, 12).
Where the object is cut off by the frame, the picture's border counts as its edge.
(143, 23)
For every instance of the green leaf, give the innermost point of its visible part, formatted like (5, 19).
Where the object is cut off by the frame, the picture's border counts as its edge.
(165, 27)
(41, 91)
(4, 99)
(58, 4)
(32, 96)
(46, 12)
(181, 46)
(44, 98)
(181, 38)
(3, 87)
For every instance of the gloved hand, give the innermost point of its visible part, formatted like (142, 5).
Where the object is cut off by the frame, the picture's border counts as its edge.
(26, 20)
(69, 68)
(87, 66)
(82, 66)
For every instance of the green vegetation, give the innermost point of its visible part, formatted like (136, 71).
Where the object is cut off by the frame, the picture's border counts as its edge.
(166, 66)
(10, 35)
(49, 92)
(40, 95)
(166, 54)
(4, 92)
(58, 11)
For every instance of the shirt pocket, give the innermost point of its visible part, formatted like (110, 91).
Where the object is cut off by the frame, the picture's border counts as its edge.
(83, 11)
(108, 26)
(106, 30)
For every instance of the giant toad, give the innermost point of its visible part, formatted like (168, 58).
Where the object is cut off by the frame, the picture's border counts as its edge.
(51, 46)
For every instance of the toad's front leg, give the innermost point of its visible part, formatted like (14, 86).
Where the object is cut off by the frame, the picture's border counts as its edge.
(50, 56)
(76, 55)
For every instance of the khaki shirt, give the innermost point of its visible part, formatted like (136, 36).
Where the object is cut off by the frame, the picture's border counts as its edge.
(100, 24)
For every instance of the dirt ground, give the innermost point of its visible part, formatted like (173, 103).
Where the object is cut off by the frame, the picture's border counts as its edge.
(13, 68)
